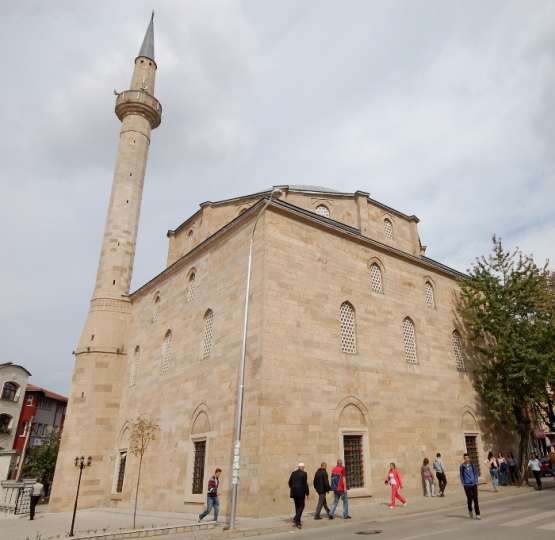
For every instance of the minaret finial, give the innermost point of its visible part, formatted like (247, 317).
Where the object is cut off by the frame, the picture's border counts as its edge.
(152, 18)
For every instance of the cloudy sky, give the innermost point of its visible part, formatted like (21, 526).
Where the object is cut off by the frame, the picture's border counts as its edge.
(441, 109)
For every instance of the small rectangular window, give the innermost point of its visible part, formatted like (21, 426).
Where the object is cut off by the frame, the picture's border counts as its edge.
(198, 471)
(23, 431)
(472, 451)
(352, 449)
(29, 400)
(121, 471)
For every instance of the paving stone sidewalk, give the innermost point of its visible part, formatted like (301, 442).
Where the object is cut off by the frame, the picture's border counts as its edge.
(100, 522)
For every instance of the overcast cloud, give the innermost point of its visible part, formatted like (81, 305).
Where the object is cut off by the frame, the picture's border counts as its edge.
(441, 109)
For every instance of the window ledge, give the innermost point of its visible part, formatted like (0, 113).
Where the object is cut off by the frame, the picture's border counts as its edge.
(359, 492)
(201, 499)
(116, 496)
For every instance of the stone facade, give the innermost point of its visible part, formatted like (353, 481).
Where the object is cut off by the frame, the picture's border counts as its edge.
(350, 354)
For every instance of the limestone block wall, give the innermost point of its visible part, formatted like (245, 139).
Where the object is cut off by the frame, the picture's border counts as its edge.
(196, 398)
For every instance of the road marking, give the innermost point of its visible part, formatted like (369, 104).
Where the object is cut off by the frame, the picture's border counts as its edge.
(550, 527)
(428, 534)
(529, 519)
(505, 514)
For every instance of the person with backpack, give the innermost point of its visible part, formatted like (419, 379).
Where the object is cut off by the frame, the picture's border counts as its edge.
(339, 488)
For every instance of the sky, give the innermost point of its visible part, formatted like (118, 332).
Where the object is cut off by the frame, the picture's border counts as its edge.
(441, 109)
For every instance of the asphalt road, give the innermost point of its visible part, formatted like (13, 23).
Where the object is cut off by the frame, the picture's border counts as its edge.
(530, 516)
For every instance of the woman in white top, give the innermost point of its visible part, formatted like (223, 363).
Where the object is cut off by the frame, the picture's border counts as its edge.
(503, 469)
(535, 466)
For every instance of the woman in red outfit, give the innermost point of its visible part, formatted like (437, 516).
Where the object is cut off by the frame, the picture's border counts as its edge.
(394, 480)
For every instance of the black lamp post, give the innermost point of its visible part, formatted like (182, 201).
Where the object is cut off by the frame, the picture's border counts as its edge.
(80, 464)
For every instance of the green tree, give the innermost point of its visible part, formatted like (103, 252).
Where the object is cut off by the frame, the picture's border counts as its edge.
(143, 431)
(41, 460)
(507, 302)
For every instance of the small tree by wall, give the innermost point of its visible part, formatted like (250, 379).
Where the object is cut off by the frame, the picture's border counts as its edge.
(143, 430)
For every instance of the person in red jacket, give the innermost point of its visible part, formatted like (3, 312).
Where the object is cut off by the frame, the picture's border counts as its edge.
(394, 480)
(339, 487)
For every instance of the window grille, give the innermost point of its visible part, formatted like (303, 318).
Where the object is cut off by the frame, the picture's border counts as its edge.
(347, 318)
(198, 470)
(429, 294)
(9, 391)
(387, 229)
(472, 451)
(352, 447)
(410, 341)
(191, 239)
(322, 210)
(208, 323)
(457, 348)
(192, 280)
(167, 353)
(135, 366)
(376, 276)
(156, 308)
(121, 471)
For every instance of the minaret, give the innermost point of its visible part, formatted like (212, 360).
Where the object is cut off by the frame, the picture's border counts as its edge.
(101, 355)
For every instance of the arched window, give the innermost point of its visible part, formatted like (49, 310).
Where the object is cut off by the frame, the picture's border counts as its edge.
(208, 324)
(410, 341)
(167, 352)
(429, 290)
(5, 423)
(376, 276)
(156, 308)
(387, 228)
(323, 210)
(135, 365)
(191, 237)
(457, 349)
(192, 286)
(347, 319)
(9, 391)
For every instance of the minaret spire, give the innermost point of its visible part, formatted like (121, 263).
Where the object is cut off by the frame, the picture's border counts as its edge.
(147, 48)
(101, 354)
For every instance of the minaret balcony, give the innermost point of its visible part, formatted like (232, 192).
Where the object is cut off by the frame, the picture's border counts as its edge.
(141, 103)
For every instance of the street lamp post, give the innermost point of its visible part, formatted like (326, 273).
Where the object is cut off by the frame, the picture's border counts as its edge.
(80, 464)
(237, 449)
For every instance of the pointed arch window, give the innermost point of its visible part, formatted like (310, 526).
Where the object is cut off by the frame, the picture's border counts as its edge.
(192, 280)
(323, 210)
(167, 352)
(376, 276)
(208, 325)
(191, 238)
(410, 341)
(347, 320)
(387, 229)
(429, 290)
(136, 359)
(457, 349)
(156, 308)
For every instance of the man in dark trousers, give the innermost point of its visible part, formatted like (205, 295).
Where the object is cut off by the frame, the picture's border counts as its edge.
(298, 484)
(469, 480)
(322, 487)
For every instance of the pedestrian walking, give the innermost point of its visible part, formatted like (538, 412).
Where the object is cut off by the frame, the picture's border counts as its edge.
(339, 487)
(503, 469)
(322, 486)
(298, 486)
(394, 480)
(552, 461)
(37, 493)
(469, 480)
(535, 466)
(513, 468)
(428, 476)
(439, 468)
(493, 467)
(212, 497)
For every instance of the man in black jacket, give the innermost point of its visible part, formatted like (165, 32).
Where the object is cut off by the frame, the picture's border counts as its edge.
(298, 484)
(322, 487)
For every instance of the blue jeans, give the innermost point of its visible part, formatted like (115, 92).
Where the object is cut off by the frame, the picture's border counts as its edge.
(211, 502)
(494, 473)
(343, 496)
(503, 477)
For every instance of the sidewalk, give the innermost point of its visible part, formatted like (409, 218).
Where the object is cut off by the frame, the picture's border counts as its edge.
(100, 522)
